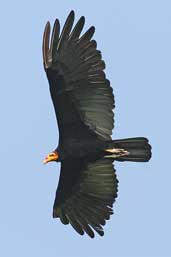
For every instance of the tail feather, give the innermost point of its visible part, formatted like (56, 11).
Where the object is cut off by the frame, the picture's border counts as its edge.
(138, 148)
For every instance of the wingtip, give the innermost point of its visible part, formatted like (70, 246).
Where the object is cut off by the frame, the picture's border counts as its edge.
(55, 36)
(92, 29)
(47, 24)
(72, 13)
(82, 21)
(56, 22)
(47, 28)
(82, 18)
(45, 47)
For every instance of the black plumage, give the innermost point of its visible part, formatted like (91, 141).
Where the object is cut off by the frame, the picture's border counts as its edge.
(83, 101)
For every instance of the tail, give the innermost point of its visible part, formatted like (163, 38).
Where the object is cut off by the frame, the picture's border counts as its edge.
(130, 149)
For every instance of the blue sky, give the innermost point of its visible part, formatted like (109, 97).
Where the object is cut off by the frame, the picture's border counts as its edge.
(135, 40)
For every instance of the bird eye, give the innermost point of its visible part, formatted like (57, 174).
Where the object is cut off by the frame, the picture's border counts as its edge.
(51, 155)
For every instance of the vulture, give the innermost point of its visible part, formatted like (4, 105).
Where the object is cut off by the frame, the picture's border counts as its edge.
(83, 102)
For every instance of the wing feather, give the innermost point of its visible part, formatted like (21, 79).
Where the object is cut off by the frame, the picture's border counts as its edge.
(85, 195)
(66, 30)
(55, 37)
(77, 29)
(75, 71)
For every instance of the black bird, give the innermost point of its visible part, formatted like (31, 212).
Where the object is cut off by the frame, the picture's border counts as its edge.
(83, 101)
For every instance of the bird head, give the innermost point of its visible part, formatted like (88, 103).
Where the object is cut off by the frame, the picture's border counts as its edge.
(54, 156)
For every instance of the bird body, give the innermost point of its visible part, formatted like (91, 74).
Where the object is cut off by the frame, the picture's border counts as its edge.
(83, 101)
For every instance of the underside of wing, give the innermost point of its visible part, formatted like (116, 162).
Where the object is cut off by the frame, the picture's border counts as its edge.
(85, 195)
(77, 81)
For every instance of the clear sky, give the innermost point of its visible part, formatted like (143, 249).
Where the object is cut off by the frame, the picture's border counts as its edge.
(135, 40)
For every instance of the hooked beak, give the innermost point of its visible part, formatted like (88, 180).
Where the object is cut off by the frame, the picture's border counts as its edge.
(46, 160)
(51, 157)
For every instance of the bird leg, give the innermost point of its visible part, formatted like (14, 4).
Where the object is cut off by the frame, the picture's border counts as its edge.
(116, 152)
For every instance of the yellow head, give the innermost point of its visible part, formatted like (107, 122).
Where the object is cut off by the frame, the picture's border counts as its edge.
(51, 157)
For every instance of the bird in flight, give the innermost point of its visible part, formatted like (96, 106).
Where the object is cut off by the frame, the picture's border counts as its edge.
(83, 101)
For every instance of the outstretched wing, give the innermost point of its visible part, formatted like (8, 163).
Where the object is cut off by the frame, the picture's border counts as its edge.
(81, 94)
(85, 195)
